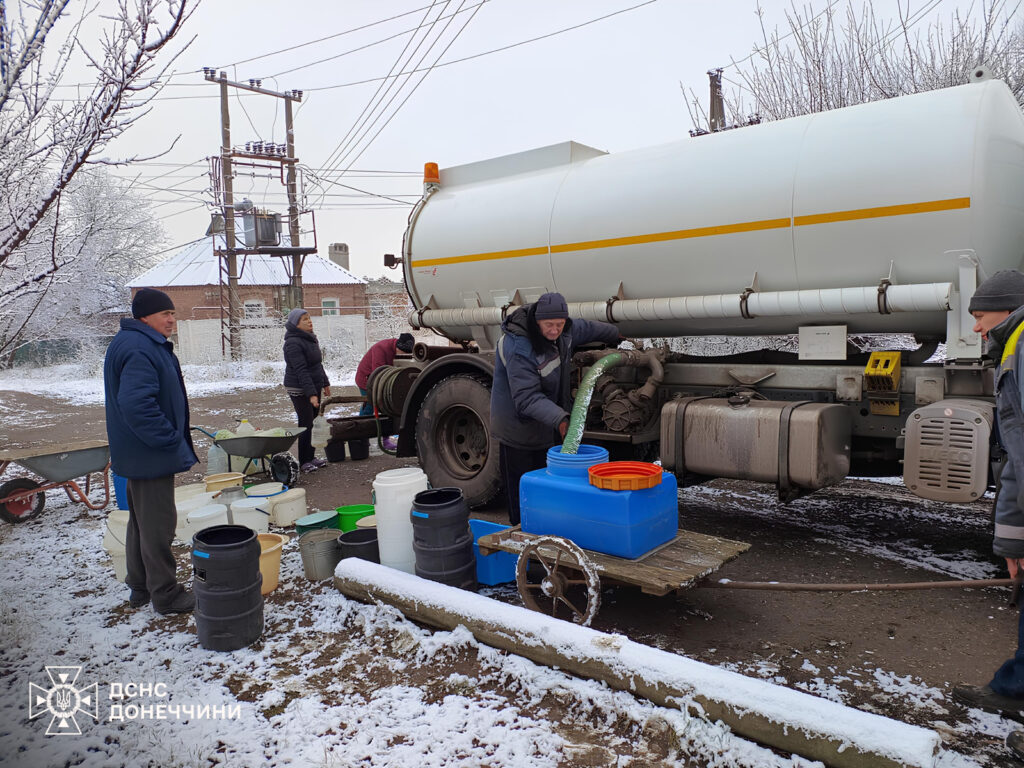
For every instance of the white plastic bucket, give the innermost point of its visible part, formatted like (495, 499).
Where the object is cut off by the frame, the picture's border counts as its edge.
(394, 491)
(120, 560)
(187, 506)
(204, 517)
(288, 507)
(252, 513)
(116, 533)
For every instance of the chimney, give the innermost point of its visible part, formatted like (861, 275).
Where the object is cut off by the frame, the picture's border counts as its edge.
(338, 253)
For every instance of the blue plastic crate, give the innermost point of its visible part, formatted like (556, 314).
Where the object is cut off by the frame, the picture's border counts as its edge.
(496, 568)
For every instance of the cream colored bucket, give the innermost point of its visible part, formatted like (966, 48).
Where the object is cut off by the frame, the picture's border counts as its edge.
(370, 521)
(288, 507)
(187, 506)
(183, 492)
(270, 559)
(222, 480)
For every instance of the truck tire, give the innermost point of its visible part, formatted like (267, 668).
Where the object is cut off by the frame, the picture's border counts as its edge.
(453, 438)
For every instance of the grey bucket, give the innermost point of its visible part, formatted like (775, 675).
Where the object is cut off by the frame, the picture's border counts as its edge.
(320, 553)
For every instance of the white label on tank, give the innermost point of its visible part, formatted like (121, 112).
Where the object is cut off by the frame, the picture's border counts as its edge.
(822, 342)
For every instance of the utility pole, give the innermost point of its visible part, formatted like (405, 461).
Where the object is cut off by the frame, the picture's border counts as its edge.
(716, 118)
(265, 155)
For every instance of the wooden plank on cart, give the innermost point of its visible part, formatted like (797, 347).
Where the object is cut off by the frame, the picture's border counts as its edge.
(677, 564)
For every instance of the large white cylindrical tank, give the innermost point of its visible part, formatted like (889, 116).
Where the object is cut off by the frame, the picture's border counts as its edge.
(828, 200)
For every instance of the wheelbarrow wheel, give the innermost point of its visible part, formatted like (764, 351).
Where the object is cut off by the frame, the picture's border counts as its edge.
(566, 581)
(284, 468)
(24, 508)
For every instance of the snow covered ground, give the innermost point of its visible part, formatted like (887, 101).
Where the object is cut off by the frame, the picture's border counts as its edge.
(338, 683)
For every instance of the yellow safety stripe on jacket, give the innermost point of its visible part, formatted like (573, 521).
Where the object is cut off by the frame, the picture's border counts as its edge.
(1010, 348)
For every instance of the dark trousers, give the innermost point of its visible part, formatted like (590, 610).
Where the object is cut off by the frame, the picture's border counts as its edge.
(305, 412)
(1009, 678)
(516, 462)
(151, 521)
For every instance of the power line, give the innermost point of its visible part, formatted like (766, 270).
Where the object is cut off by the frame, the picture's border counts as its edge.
(486, 52)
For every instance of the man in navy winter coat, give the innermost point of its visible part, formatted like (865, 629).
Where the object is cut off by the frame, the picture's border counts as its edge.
(148, 432)
(998, 309)
(530, 397)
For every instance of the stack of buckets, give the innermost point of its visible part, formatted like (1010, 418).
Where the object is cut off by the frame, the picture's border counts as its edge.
(442, 540)
(227, 584)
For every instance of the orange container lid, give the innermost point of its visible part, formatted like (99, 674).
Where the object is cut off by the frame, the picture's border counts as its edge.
(625, 475)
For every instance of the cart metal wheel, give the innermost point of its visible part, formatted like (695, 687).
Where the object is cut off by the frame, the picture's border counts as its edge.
(25, 508)
(566, 582)
(284, 468)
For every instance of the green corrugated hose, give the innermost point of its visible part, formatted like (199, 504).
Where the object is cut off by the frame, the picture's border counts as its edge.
(578, 417)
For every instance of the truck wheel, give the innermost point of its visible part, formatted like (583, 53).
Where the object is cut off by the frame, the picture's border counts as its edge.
(453, 438)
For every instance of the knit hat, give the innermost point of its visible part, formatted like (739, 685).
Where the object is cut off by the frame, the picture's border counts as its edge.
(405, 342)
(552, 306)
(294, 316)
(149, 301)
(1003, 291)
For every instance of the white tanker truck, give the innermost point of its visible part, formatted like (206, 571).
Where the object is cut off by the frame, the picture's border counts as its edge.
(878, 218)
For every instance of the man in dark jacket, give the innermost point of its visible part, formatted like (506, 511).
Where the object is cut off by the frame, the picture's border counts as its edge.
(381, 353)
(998, 310)
(530, 397)
(148, 432)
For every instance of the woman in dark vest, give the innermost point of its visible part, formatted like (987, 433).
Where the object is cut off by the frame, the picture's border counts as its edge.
(305, 380)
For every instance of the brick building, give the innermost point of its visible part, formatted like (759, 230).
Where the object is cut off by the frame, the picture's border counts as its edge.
(192, 279)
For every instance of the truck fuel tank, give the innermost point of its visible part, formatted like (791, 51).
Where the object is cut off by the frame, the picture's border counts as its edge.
(791, 444)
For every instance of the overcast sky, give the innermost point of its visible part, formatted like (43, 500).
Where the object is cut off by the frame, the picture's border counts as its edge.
(613, 84)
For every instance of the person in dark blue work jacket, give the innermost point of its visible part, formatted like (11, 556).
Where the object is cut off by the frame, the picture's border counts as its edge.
(998, 310)
(148, 432)
(530, 397)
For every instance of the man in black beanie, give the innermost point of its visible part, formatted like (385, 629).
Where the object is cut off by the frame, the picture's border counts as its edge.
(998, 310)
(150, 441)
(530, 397)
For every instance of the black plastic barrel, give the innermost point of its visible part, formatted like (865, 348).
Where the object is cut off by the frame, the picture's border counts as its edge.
(359, 449)
(361, 543)
(439, 517)
(441, 539)
(463, 577)
(226, 556)
(229, 605)
(229, 619)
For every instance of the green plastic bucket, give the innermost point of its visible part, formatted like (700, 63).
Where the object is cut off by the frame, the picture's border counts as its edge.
(350, 514)
(328, 518)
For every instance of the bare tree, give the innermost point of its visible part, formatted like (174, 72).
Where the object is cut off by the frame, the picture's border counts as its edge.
(103, 236)
(835, 57)
(49, 133)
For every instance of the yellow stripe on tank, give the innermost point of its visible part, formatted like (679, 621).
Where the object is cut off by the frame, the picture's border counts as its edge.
(930, 206)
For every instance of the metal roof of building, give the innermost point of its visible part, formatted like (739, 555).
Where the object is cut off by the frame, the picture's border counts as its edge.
(196, 264)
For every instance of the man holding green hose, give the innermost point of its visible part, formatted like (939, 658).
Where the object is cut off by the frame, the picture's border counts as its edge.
(530, 396)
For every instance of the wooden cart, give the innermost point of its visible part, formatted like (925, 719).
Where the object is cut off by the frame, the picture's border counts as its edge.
(554, 575)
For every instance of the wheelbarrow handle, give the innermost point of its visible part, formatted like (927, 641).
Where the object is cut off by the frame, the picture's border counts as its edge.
(200, 429)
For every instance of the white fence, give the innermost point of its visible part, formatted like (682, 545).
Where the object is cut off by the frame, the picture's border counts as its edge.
(343, 337)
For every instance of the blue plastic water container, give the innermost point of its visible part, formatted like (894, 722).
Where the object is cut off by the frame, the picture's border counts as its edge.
(120, 490)
(498, 567)
(560, 501)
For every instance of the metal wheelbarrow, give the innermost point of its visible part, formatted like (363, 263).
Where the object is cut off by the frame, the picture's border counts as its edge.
(22, 498)
(268, 452)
